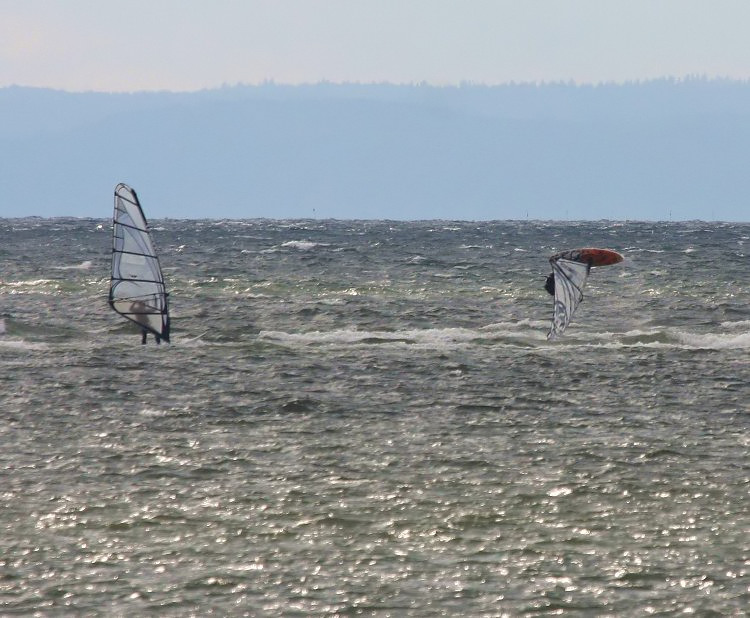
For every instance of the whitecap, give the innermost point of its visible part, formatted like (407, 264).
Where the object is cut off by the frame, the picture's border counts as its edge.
(662, 338)
(153, 412)
(352, 336)
(429, 338)
(556, 492)
(715, 341)
(30, 283)
(514, 327)
(302, 245)
(20, 344)
(740, 324)
(86, 265)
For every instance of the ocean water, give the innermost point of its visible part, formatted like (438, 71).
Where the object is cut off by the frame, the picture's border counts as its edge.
(366, 418)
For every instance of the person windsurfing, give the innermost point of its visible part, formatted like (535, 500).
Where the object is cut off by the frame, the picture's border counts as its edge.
(570, 270)
(136, 290)
(549, 284)
(141, 310)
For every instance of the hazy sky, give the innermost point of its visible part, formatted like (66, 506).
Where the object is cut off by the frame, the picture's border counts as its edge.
(125, 45)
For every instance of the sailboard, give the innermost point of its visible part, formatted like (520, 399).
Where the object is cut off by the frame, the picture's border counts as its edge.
(570, 270)
(137, 291)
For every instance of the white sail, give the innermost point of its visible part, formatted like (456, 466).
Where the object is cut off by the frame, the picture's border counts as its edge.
(570, 277)
(137, 289)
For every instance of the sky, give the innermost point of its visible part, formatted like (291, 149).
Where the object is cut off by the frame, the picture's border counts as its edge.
(191, 45)
(187, 45)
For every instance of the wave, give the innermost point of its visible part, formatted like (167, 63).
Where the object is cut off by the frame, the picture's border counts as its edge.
(21, 344)
(298, 245)
(33, 286)
(715, 341)
(303, 245)
(86, 265)
(667, 337)
(30, 283)
(737, 325)
(524, 333)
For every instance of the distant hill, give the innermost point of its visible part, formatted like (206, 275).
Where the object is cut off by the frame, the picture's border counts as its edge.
(650, 150)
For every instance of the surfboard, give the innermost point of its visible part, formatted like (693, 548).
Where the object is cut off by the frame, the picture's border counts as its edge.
(591, 256)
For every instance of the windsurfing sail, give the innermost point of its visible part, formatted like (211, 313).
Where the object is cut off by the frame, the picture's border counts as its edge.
(570, 277)
(137, 290)
(570, 269)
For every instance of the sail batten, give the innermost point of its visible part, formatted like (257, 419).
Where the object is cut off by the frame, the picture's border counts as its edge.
(133, 226)
(137, 290)
(135, 253)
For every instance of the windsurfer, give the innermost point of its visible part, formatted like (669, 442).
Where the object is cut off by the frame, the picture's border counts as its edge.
(576, 256)
(136, 289)
(549, 285)
(140, 312)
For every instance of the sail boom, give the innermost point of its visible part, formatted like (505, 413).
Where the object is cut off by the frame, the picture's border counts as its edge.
(121, 279)
(136, 253)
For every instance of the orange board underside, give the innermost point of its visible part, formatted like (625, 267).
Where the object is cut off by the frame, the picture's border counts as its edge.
(592, 256)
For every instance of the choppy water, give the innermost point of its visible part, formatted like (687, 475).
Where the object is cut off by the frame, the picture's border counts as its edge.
(365, 418)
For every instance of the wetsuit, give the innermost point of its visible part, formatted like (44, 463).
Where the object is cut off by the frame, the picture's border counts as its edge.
(549, 285)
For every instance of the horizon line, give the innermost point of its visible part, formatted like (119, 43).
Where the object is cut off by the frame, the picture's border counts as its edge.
(689, 78)
(385, 220)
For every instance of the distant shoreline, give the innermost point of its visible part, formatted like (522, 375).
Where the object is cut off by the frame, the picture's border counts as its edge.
(671, 149)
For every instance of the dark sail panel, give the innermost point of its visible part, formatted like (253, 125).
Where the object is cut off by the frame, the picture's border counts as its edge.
(137, 290)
